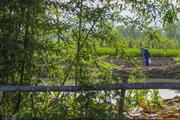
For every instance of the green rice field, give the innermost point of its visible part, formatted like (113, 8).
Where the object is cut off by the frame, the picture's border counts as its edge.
(136, 53)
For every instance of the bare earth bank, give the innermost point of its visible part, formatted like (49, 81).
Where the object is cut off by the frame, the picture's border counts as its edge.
(155, 61)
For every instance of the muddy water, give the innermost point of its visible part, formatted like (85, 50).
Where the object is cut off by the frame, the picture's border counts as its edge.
(166, 93)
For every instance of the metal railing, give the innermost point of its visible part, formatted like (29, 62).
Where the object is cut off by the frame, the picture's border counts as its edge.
(153, 85)
(120, 86)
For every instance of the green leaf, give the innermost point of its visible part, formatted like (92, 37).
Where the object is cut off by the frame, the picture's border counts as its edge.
(35, 112)
(171, 28)
(102, 115)
(79, 98)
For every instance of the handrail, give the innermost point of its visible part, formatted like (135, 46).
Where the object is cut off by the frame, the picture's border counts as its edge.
(149, 85)
(122, 86)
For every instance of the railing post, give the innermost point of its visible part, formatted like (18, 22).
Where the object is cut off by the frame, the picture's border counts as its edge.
(1, 109)
(32, 105)
(123, 91)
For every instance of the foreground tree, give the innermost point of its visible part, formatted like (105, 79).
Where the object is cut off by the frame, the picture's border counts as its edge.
(24, 55)
(21, 48)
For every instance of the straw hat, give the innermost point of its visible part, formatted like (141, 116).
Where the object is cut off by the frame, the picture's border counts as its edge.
(142, 49)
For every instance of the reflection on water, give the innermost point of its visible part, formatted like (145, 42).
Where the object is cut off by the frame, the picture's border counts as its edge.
(166, 93)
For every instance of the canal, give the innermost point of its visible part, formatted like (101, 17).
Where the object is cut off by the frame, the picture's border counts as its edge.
(166, 93)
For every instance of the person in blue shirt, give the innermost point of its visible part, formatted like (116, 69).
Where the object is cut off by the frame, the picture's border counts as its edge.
(146, 54)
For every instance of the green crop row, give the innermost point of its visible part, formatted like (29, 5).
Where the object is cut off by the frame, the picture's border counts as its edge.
(161, 43)
(136, 52)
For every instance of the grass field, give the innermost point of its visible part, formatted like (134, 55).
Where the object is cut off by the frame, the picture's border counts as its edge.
(136, 53)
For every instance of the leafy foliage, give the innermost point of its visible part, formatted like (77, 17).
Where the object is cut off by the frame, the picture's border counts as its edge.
(27, 51)
(168, 37)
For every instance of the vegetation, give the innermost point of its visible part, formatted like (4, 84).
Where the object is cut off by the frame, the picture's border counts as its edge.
(136, 52)
(177, 59)
(160, 43)
(169, 33)
(27, 52)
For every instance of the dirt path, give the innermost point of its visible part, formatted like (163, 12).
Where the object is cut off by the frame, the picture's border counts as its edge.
(155, 61)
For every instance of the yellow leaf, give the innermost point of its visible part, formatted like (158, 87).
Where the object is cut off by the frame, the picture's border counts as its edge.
(143, 105)
(170, 116)
(159, 113)
(153, 111)
(164, 115)
(115, 112)
(177, 64)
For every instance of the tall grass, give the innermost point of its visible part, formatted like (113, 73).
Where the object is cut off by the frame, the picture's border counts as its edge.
(136, 53)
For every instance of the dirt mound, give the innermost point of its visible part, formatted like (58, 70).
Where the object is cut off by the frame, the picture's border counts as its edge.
(155, 61)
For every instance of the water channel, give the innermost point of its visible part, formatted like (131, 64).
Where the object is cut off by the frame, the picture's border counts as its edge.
(166, 93)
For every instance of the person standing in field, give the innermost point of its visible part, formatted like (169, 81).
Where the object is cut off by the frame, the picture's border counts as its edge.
(146, 54)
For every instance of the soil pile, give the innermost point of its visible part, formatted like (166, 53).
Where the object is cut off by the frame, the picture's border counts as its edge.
(171, 72)
(159, 68)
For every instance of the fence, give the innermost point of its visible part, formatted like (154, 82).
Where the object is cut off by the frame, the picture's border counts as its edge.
(122, 86)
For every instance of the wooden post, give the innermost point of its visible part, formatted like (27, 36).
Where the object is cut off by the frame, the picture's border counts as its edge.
(32, 105)
(123, 91)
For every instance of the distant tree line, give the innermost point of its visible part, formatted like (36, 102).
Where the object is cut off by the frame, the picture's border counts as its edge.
(172, 31)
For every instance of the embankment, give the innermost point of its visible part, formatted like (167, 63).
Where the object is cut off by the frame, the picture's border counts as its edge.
(172, 72)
